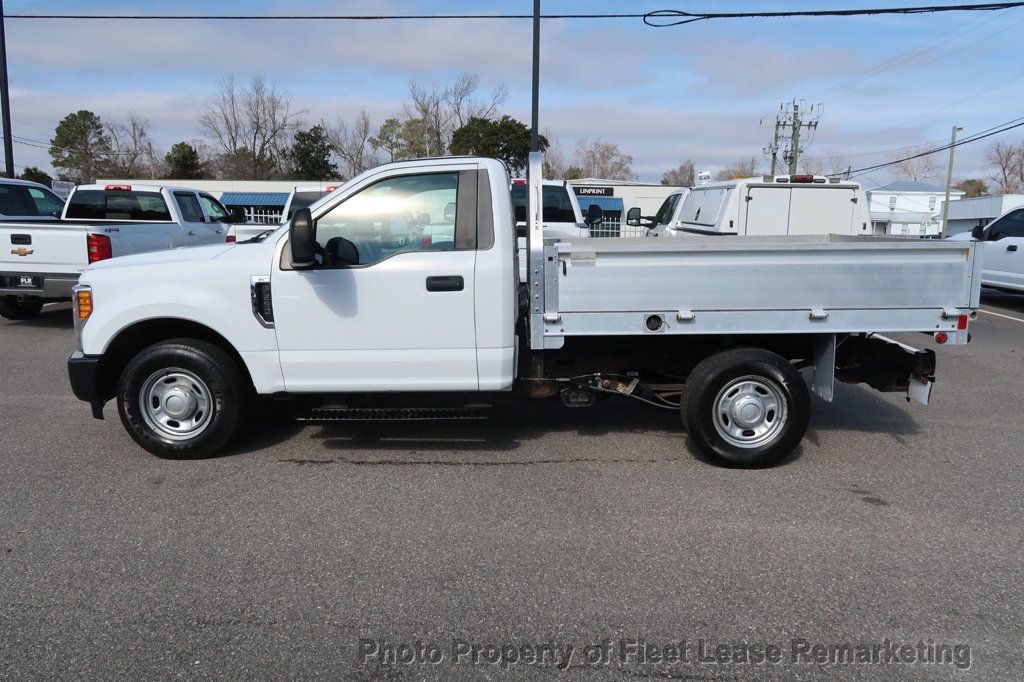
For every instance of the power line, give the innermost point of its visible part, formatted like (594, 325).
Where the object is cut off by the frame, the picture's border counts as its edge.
(995, 130)
(673, 17)
(656, 19)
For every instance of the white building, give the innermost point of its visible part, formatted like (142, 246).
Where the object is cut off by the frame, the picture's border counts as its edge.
(908, 208)
(965, 214)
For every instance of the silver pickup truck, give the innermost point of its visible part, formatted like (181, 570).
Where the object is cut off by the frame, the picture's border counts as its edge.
(40, 261)
(352, 312)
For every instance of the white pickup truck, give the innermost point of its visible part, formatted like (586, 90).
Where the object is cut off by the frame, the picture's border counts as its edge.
(1002, 241)
(98, 222)
(347, 316)
(768, 205)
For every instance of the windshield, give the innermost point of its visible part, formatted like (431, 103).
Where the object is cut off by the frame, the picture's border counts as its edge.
(664, 213)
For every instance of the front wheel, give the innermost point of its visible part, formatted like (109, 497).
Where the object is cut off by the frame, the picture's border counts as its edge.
(20, 307)
(181, 398)
(745, 407)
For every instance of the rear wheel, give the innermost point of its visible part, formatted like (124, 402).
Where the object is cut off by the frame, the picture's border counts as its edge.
(20, 307)
(746, 407)
(181, 398)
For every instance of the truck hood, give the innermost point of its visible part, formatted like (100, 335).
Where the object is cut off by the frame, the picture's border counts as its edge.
(188, 254)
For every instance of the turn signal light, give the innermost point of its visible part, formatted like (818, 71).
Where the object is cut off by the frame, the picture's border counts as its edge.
(83, 304)
(98, 246)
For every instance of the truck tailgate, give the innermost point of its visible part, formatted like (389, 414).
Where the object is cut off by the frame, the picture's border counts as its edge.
(42, 247)
(824, 283)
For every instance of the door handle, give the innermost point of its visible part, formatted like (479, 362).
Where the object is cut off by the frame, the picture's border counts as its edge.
(1011, 247)
(445, 283)
(190, 233)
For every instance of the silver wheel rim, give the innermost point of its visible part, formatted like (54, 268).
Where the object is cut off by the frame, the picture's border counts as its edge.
(750, 411)
(176, 404)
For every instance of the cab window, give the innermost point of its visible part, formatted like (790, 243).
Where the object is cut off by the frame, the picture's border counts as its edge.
(557, 204)
(46, 203)
(12, 201)
(665, 211)
(191, 212)
(1010, 225)
(390, 217)
(214, 209)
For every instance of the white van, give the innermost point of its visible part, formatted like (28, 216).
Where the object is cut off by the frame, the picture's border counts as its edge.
(783, 204)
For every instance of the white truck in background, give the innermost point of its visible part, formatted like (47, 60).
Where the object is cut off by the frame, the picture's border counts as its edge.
(41, 260)
(562, 217)
(1002, 241)
(301, 196)
(345, 314)
(765, 206)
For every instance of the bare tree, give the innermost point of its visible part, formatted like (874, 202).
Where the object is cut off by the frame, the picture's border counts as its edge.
(683, 175)
(921, 169)
(830, 163)
(554, 158)
(443, 110)
(354, 145)
(252, 126)
(741, 169)
(599, 159)
(131, 147)
(1008, 160)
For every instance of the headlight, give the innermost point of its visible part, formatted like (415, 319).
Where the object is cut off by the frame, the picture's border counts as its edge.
(81, 299)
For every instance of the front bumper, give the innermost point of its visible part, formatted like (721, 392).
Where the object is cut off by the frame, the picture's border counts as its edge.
(84, 373)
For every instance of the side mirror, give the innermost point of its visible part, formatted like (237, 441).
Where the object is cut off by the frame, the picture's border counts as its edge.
(633, 217)
(302, 238)
(595, 214)
(978, 233)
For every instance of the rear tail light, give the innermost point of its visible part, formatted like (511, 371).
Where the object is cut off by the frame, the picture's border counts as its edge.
(331, 188)
(118, 188)
(98, 247)
(941, 337)
(961, 322)
(518, 181)
(426, 240)
(801, 178)
(230, 239)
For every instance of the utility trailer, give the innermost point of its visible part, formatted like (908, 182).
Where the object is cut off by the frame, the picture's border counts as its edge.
(347, 314)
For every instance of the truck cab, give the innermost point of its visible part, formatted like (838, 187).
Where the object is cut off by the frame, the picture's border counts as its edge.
(765, 206)
(1003, 243)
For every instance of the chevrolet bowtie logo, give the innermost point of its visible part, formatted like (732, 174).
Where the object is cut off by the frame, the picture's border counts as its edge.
(22, 252)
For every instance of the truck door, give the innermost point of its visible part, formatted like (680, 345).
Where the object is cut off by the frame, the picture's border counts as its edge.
(1004, 251)
(195, 228)
(767, 210)
(216, 217)
(820, 209)
(390, 304)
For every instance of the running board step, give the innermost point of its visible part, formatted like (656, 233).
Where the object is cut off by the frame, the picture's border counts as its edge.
(369, 414)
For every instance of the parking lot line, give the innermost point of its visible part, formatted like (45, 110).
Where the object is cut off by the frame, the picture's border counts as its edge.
(1008, 317)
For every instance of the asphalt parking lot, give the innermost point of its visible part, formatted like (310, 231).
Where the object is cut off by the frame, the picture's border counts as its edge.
(307, 548)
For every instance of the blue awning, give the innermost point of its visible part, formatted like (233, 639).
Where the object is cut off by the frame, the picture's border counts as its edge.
(254, 199)
(610, 204)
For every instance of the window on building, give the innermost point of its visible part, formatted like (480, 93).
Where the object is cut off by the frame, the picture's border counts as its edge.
(931, 203)
(892, 202)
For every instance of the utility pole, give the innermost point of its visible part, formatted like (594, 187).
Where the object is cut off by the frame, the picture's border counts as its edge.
(534, 138)
(5, 99)
(794, 140)
(949, 181)
(796, 119)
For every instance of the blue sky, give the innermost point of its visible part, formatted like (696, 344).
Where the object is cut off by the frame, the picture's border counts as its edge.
(664, 95)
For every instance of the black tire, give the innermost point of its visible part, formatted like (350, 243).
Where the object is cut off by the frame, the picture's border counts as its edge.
(226, 396)
(770, 373)
(20, 307)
